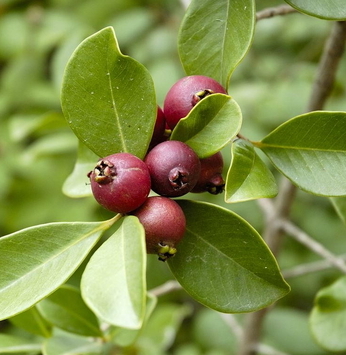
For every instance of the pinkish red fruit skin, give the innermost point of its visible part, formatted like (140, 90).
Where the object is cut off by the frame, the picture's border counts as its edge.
(174, 168)
(210, 178)
(127, 188)
(164, 222)
(180, 99)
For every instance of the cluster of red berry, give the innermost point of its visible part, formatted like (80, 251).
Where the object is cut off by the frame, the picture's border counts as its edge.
(121, 182)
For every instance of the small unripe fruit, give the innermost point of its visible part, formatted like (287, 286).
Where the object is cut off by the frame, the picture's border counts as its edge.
(159, 129)
(164, 224)
(185, 94)
(120, 182)
(174, 168)
(210, 178)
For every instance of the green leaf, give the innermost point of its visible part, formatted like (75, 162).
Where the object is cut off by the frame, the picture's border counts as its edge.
(327, 319)
(69, 344)
(339, 204)
(35, 261)
(310, 150)
(32, 321)
(113, 284)
(223, 263)
(78, 184)
(330, 10)
(108, 98)
(248, 177)
(66, 309)
(210, 125)
(215, 36)
(10, 344)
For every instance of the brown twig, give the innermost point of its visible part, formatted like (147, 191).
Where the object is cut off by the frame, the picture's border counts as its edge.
(275, 11)
(273, 232)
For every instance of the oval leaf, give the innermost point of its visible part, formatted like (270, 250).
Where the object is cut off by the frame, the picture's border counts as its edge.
(66, 309)
(310, 150)
(248, 177)
(210, 125)
(35, 261)
(215, 36)
(32, 321)
(223, 263)
(327, 319)
(78, 184)
(331, 10)
(113, 284)
(108, 98)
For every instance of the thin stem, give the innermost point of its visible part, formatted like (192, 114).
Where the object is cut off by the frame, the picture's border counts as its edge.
(275, 11)
(273, 232)
(165, 288)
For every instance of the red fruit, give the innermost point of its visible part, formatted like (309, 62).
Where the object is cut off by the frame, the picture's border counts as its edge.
(159, 129)
(164, 224)
(185, 94)
(210, 178)
(174, 168)
(120, 182)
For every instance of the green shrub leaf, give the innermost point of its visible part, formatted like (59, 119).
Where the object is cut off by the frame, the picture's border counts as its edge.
(35, 261)
(12, 344)
(327, 319)
(215, 36)
(113, 284)
(33, 322)
(108, 98)
(248, 177)
(330, 10)
(223, 263)
(210, 125)
(310, 150)
(66, 309)
(78, 184)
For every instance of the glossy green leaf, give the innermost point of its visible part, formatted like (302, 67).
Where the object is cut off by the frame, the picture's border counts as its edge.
(108, 98)
(78, 184)
(33, 322)
(11, 344)
(310, 150)
(66, 309)
(215, 36)
(223, 263)
(248, 177)
(69, 344)
(35, 261)
(210, 125)
(330, 10)
(327, 319)
(113, 284)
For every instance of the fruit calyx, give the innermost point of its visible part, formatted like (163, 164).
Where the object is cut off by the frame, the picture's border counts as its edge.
(198, 96)
(165, 251)
(104, 171)
(178, 178)
(216, 185)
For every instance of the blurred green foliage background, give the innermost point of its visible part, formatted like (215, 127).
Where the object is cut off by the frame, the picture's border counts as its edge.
(38, 150)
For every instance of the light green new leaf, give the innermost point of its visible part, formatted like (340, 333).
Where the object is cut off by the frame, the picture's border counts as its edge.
(210, 125)
(32, 321)
(108, 98)
(215, 36)
(35, 261)
(327, 319)
(113, 284)
(248, 177)
(329, 10)
(310, 150)
(66, 309)
(11, 344)
(78, 184)
(223, 263)
(70, 344)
